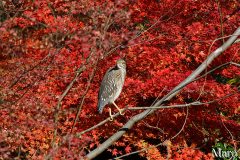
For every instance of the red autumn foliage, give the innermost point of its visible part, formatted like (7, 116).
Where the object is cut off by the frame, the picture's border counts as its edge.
(44, 44)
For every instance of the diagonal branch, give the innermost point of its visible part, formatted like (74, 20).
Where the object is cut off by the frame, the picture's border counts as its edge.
(79, 72)
(170, 95)
(99, 124)
(33, 67)
(159, 144)
(84, 95)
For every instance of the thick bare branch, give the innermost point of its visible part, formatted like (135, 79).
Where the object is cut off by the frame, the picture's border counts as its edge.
(170, 95)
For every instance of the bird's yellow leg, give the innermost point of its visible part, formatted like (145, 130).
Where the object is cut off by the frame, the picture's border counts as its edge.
(120, 110)
(110, 114)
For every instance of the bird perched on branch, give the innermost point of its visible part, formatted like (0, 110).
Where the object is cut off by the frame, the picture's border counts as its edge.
(111, 86)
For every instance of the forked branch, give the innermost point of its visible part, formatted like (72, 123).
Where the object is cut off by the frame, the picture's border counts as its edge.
(170, 95)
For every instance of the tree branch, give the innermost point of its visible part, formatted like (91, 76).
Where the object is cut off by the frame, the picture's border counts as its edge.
(159, 144)
(196, 103)
(79, 72)
(84, 95)
(151, 107)
(33, 67)
(99, 124)
(170, 95)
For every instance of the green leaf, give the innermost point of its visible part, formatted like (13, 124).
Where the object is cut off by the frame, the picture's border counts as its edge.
(233, 81)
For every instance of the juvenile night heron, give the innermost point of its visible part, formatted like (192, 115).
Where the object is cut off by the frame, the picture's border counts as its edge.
(111, 86)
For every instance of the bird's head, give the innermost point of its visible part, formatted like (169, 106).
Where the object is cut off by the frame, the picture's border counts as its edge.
(121, 63)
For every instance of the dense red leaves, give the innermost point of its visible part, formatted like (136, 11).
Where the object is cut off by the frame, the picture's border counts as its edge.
(190, 153)
(45, 43)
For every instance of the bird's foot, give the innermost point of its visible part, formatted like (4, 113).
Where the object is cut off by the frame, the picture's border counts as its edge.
(110, 115)
(111, 118)
(121, 111)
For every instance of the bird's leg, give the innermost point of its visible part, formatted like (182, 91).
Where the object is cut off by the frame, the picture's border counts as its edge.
(120, 110)
(110, 114)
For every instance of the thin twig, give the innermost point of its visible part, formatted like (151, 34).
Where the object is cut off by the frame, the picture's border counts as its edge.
(139, 151)
(142, 32)
(154, 127)
(185, 121)
(32, 68)
(103, 122)
(232, 137)
(79, 71)
(98, 125)
(221, 19)
(84, 95)
(196, 103)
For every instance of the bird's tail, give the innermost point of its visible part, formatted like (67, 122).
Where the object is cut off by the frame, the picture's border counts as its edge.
(100, 108)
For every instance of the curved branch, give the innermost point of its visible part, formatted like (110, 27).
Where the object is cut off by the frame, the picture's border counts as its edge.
(170, 95)
(196, 103)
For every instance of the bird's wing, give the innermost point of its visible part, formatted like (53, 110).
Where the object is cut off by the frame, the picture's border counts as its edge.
(107, 88)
